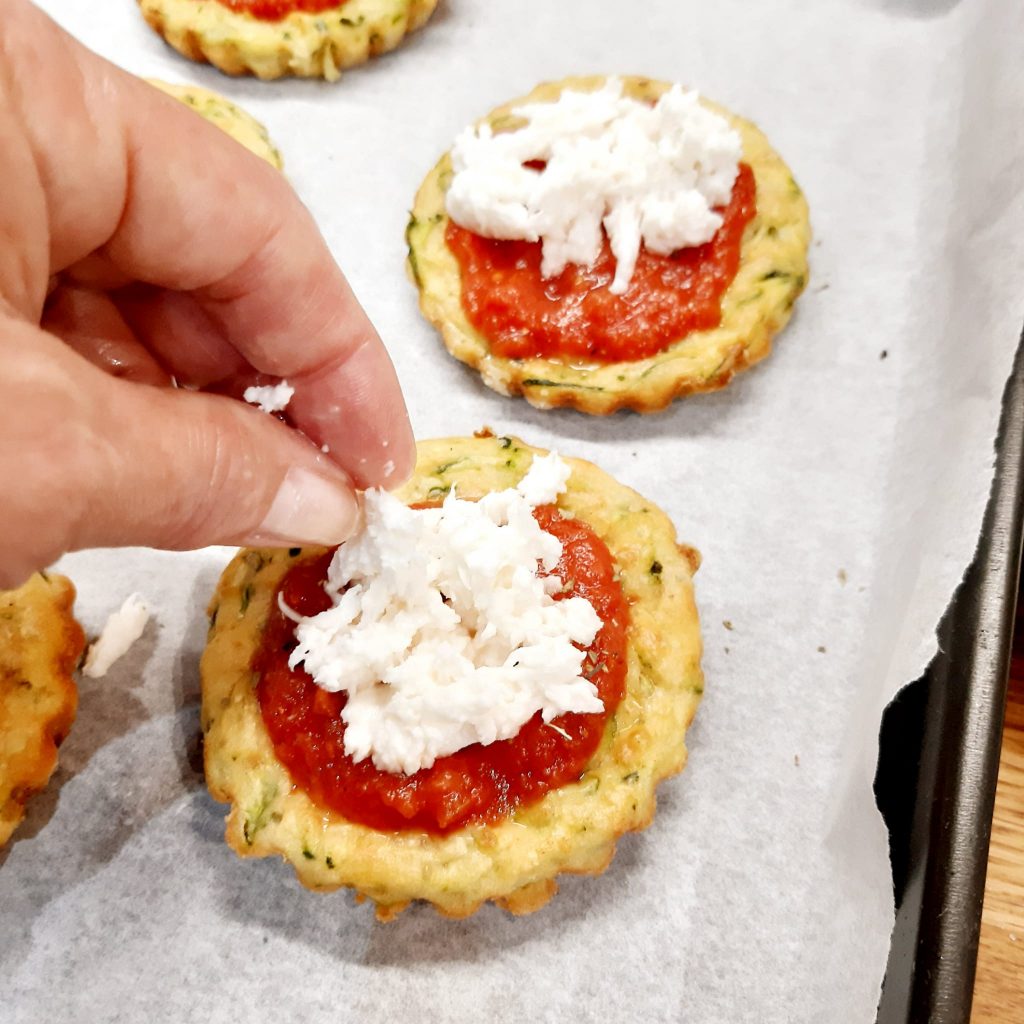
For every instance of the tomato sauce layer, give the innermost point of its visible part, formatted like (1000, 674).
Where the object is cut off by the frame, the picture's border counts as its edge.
(277, 10)
(574, 316)
(478, 784)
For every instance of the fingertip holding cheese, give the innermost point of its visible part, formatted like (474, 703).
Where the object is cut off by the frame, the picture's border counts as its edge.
(514, 861)
(40, 645)
(754, 308)
(270, 398)
(227, 116)
(303, 44)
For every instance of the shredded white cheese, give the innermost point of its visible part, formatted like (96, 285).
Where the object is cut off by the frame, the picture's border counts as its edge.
(122, 629)
(645, 173)
(270, 397)
(442, 633)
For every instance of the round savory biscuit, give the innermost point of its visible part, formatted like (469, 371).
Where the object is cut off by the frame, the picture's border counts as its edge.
(242, 127)
(515, 861)
(755, 307)
(40, 647)
(303, 44)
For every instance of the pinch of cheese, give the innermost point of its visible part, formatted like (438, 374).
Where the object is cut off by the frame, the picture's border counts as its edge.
(442, 633)
(644, 173)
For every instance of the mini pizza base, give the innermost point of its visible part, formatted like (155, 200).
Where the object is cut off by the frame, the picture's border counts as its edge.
(230, 118)
(40, 647)
(513, 862)
(302, 44)
(756, 306)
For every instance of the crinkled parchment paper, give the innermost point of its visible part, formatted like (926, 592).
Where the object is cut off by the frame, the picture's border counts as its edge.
(836, 492)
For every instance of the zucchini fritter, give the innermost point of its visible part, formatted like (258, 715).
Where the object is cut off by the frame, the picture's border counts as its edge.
(515, 861)
(40, 647)
(755, 307)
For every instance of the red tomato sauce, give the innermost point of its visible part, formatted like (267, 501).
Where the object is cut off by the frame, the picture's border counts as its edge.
(574, 316)
(276, 10)
(477, 784)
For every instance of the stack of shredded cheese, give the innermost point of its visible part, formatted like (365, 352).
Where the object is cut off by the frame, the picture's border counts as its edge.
(442, 633)
(643, 173)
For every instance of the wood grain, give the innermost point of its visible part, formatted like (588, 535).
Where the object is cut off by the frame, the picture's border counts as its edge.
(999, 984)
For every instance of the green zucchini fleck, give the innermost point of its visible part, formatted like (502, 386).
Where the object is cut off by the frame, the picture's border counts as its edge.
(256, 817)
(631, 777)
(656, 568)
(414, 267)
(536, 382)
(308, 854)
(246, 598)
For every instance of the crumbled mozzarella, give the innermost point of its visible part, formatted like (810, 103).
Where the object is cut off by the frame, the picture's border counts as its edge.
(270, 397)
(442, 633)
(122, 629)
(645, 173)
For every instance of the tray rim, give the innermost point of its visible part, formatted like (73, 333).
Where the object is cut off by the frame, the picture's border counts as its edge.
(934, 946)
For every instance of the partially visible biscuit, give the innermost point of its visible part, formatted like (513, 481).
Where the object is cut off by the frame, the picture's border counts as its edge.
(755, 307)
(242, 127)
(40, 647)
(302, 44)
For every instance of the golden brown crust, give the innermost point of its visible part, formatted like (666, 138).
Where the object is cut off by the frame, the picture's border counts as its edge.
(756, 306)
(303, 44)
(228, 116)
(40, 647)
(513, 862)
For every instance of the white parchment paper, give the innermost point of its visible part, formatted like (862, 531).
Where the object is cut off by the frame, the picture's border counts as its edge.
(836, 492)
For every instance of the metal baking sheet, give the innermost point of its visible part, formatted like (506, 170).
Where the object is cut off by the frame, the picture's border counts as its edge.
(939, 761)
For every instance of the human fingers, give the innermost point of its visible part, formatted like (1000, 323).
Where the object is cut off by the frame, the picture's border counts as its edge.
(90, 324)
(181, 206)
(102, 461)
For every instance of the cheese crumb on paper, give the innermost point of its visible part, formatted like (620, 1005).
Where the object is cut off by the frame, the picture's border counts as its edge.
(122, 629)
(645, 173)
(442, 632)
(270, 397)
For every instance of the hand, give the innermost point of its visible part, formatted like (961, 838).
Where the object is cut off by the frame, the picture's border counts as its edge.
(170, 255)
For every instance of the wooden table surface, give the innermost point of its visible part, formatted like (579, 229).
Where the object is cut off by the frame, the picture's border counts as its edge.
(999, 985)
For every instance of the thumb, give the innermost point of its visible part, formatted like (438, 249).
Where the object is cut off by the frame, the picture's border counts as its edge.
(104, 462)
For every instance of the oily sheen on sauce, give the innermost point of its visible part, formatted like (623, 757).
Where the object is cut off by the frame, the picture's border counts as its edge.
(479, 784)
(574, 316)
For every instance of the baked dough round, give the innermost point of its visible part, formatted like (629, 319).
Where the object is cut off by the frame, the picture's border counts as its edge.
(513, 862)
(40, 647)
(303, 44)
(242, 127)
(755, 307)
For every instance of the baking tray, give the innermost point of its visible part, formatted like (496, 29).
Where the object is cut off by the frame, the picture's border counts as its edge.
(939, 760)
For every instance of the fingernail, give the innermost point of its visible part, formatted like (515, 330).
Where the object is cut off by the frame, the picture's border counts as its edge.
(310, 509)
